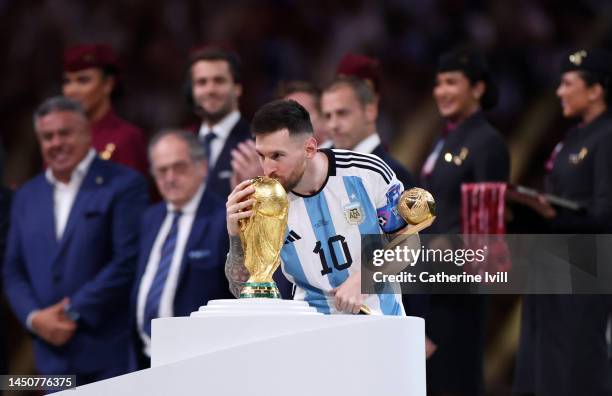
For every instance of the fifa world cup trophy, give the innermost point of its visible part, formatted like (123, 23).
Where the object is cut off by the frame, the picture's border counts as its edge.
(262, 236)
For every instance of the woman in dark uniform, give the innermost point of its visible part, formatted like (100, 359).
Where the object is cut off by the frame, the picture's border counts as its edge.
(562, 347)
(469, 150)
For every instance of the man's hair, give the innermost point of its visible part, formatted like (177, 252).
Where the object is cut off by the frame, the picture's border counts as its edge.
(196, 149)
(280, 114)
(286, 88)
(219, 54)
(57, 104)
(363, 91)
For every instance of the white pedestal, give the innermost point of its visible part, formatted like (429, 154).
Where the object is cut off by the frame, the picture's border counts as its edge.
(254, 347)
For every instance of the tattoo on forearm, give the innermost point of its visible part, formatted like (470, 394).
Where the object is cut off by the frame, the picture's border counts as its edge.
(235, 271)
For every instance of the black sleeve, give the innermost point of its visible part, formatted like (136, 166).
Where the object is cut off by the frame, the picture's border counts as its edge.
(596, 217)
(491, 160)
(406, 178)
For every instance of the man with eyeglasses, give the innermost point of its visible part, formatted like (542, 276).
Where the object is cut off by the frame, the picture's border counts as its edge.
(182, 251)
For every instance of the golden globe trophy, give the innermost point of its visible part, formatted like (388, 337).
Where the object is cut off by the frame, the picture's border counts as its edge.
(418, 208)
(262, 236)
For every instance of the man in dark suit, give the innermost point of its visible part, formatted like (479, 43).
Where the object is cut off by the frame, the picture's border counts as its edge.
(72, 248)
(183, 246)
(350, 107)
(214, 90)
(367, 69)
(215, 86)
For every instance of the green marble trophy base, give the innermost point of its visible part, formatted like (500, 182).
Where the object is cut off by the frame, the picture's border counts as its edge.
(260, 290)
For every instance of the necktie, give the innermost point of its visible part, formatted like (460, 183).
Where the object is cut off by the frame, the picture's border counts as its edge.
(157, 286)
(206, 142)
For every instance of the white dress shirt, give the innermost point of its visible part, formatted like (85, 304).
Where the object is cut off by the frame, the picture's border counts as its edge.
(166, 304)
(65, 194)
(222, 130)
(368, 144)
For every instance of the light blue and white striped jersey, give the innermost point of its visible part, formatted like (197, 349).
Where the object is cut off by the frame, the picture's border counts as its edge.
(323, 243)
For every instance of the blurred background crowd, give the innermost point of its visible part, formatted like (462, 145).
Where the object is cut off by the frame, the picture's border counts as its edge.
(283, 40)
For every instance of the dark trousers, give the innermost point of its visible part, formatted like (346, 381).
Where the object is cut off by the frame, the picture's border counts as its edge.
(562, 349)
(456, 324)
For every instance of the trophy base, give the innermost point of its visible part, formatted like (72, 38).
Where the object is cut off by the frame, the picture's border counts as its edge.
(259, 290)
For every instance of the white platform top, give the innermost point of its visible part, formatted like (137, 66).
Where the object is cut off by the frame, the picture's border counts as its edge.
(254, 307)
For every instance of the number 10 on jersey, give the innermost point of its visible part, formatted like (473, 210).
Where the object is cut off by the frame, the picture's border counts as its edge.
(334, 244)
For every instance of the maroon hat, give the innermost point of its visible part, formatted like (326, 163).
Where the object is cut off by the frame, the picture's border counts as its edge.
(360, 66)
(84, 56)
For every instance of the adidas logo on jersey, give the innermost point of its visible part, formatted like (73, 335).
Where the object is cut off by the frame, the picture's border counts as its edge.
(292, 237)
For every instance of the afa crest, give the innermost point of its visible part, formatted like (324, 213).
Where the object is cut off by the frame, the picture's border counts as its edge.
(353, 213)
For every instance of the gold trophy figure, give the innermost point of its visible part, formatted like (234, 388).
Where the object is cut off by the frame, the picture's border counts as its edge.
(262, 236)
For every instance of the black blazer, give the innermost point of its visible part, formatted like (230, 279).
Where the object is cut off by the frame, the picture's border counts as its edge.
(218, 180)
(477, 153)
(400, 171)
(582, 172)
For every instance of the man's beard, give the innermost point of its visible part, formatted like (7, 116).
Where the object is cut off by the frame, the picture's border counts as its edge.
(290, 184)
(293, 180)
(210, 117)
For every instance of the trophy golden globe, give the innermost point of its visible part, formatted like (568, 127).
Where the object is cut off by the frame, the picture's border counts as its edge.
(418, 208)
(262, 236)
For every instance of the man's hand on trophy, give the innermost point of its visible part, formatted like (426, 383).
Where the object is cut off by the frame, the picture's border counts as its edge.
(237, 207)
(348, 297)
